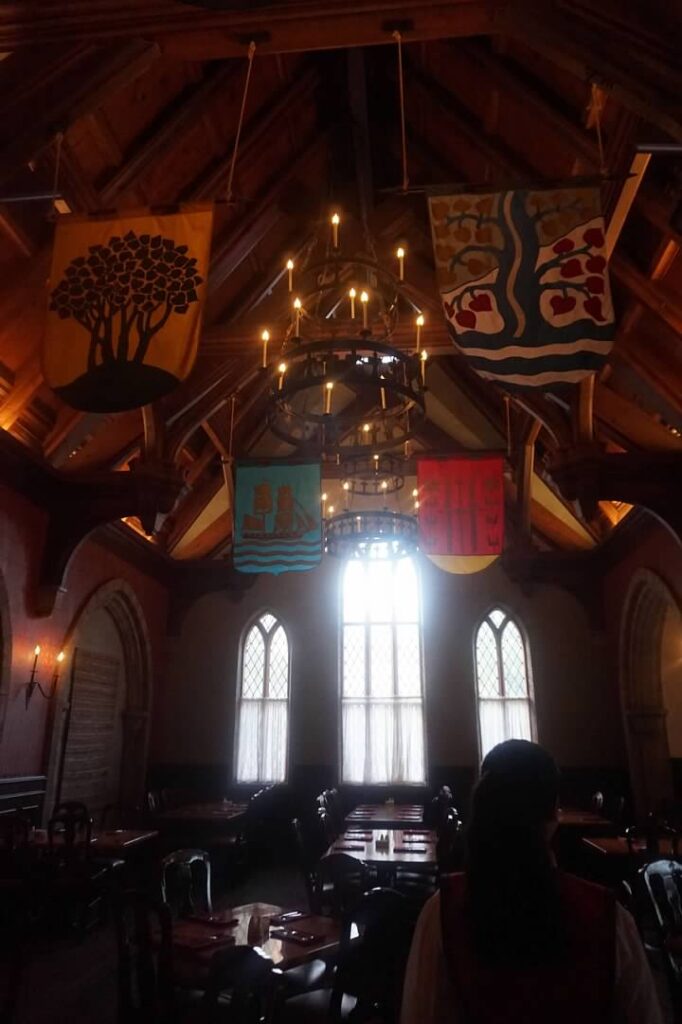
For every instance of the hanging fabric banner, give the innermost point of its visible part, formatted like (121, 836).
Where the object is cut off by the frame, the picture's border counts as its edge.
(277, 517)
(126, 297)
(461, 505)
(524, 283)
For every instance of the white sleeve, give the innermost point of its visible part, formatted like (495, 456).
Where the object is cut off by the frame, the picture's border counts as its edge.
(427, 995)
(635, 997)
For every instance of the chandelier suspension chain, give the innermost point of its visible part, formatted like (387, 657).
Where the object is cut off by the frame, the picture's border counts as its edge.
(233, 163)
(401, 90)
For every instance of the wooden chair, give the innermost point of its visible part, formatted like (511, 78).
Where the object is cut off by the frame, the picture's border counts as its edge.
(368, 981)
(186, 882)
(652, 833)
(661, 882)
(145, 977)
(77, 884)
(597, 802)
(341, 880)
(307, 857)
(240, 987)
(14, 845)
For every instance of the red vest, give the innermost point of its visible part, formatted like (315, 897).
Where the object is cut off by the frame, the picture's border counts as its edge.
(578, 991)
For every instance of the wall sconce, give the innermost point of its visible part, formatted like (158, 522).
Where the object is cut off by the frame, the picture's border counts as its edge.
(33, 683)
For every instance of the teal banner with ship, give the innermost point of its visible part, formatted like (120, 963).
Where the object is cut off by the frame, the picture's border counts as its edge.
(277, 517)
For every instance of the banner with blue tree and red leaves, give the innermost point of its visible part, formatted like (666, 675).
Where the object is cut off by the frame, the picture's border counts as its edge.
(524, 282)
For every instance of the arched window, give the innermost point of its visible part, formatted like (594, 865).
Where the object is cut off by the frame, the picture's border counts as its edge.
(382, 722)
(263, 708)
(502, 679)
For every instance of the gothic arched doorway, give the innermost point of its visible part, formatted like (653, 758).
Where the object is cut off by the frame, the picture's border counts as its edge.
(649, 605)
(98, 750)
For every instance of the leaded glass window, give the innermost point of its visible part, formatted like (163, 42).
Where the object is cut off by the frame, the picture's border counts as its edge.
(505, 709)
(381, 676)
(263, 705)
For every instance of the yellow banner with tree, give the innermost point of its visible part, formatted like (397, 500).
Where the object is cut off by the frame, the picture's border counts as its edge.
(125, 304)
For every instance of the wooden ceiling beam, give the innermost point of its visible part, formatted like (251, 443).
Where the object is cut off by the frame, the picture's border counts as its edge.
(501, 74)
(630, 424)
(653, 294)
(242, 237)
(191, 34)
(584, 52)
(168, 131)
(256, 134)
(492, 149)
(116, 67)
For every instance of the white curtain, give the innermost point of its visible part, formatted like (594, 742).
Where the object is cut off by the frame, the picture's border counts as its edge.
(503, 720)
(262, 741)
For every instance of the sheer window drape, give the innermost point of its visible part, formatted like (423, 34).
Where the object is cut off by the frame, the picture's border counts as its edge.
(504, 699)
(382, 723)
(263, 710)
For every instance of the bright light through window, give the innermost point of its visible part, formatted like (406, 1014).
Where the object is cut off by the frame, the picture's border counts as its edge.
(502, 678)
(382, 686)
(263, 712)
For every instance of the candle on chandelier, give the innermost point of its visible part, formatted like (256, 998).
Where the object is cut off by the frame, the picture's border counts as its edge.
(265, 338)
(290, 270)
(351, 295)
(400, 253)
(383, 397)
(328, 388)
(297, 316)
(336, 220)
(331, 510)
(423, 357)
(420, 323)
(364, 299)
(323, 499)
(282, 369)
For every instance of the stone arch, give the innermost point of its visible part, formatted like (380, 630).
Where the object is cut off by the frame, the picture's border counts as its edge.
(5, 651)
(646, 606)
(119, 600)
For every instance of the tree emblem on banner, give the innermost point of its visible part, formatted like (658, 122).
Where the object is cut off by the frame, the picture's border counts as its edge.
(524, 282)
(128, 296)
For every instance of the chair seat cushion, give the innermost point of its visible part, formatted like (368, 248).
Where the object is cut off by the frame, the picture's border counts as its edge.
(313, 1007)
(304, 978)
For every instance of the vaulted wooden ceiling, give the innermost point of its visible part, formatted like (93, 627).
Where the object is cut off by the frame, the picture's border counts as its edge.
(147, 95)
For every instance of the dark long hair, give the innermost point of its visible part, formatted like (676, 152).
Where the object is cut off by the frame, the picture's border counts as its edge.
(513, 900)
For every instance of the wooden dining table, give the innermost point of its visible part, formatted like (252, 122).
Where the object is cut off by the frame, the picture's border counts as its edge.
(387, 816)
(212, 812)
(576, 817)
(617, 846)
(117, 842)
(196, 941)
(412, 847)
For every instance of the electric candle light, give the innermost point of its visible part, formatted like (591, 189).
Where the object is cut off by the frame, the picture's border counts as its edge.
(400, 253)
(384, 485)
(323, 499)
(383, 397)
(329, 387)
(297, 315)
(351, 295)
(331, 510)
(282, 368)
(336, 220)
(415, 493)
(420, 324)
(424, 357)
(346, 485)
(364, 299)
(265, 337)
(365, 428)
(290, 268)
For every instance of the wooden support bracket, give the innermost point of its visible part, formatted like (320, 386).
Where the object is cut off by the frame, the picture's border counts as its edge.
(652, 480)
